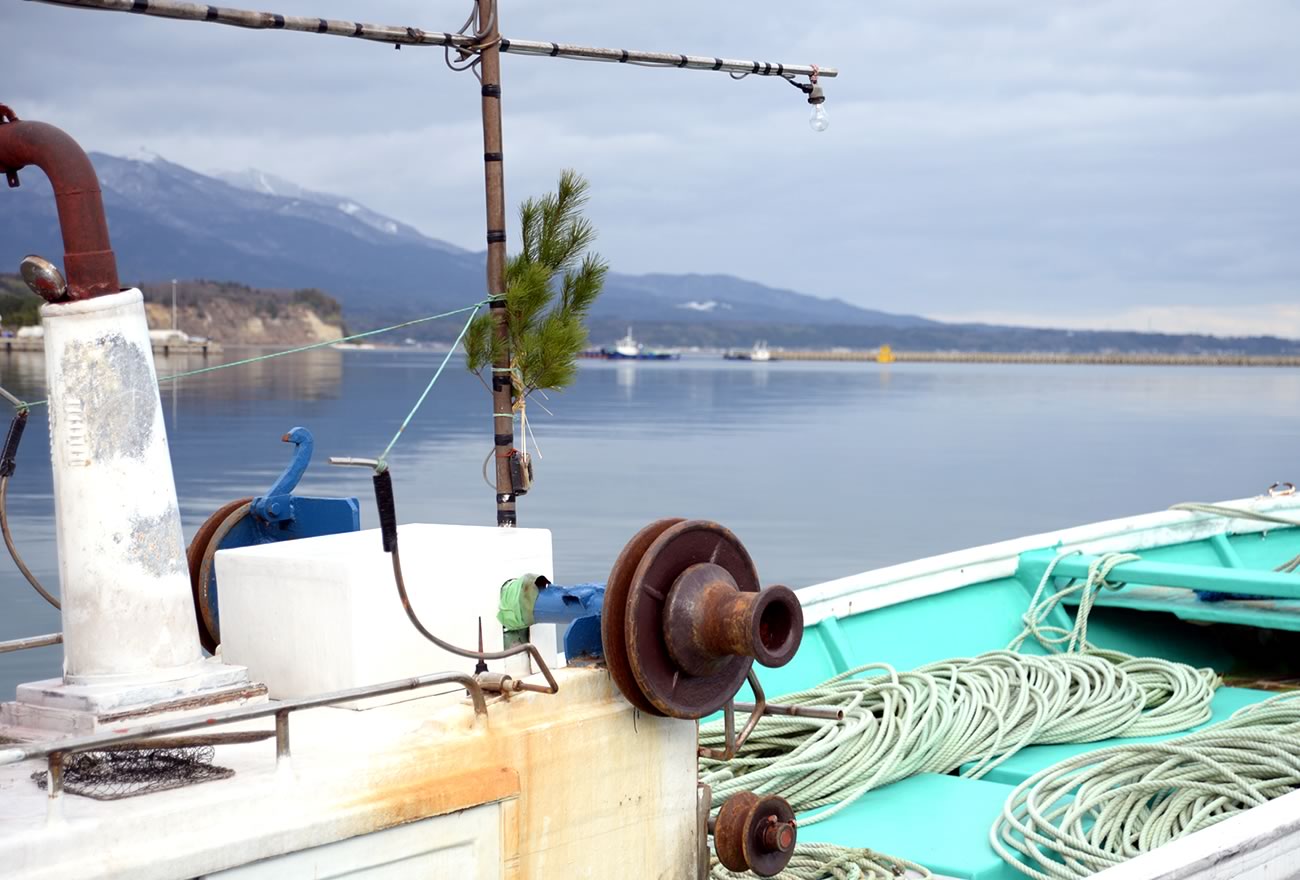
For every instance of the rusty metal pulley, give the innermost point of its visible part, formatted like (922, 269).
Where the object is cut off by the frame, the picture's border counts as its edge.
(684, 619)
(199, 556)
(753, 833)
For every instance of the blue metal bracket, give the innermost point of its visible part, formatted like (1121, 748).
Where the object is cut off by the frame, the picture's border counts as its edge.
(279, 515)
(277, 504)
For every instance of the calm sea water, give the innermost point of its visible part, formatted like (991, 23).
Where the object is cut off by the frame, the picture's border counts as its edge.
(823, 470)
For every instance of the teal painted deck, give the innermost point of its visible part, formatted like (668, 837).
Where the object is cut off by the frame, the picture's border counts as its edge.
(943, 822)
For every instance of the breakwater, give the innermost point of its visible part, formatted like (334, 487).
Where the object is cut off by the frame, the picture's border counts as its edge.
(1031, 357)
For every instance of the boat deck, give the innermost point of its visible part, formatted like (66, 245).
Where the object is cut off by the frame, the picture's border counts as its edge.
(943, 821)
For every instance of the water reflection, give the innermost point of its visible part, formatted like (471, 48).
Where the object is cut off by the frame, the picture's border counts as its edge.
(821, 469)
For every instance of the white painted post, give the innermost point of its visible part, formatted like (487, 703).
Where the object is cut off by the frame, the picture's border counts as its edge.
(127, 610)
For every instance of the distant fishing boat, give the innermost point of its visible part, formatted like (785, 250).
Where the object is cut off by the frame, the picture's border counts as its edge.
(759, 353)
(628, 349)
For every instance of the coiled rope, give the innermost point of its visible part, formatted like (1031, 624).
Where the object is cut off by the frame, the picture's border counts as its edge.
(967, 711)
(1096, 810)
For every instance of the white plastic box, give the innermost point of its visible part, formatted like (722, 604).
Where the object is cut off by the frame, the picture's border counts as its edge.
(323, 614)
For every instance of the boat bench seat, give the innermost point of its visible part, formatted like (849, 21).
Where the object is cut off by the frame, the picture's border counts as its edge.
(1268, 599)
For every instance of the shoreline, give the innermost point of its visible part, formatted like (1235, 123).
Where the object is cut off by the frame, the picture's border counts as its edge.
(1029, 357)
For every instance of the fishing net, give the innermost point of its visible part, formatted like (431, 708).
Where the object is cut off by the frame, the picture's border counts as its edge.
(112, 774)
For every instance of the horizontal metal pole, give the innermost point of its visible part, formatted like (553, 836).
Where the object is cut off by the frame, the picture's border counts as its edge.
(401, 35)
(16, 753)
(31, 642)
(662, 59)
(1211, 578)
(824, 713)
(246, 18)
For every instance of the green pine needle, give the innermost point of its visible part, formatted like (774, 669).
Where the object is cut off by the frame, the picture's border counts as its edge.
(551, 285)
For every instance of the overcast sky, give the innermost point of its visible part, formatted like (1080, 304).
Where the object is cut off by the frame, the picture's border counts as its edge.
(1100, 163)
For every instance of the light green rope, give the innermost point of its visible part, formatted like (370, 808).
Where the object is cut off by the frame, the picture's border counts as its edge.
(21, 404)
(383, 456)
(1093, 811)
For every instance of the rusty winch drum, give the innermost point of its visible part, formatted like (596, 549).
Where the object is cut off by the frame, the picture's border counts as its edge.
(685, 619)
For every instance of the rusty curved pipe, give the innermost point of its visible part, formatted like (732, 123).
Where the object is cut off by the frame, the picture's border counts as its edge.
(88, 261)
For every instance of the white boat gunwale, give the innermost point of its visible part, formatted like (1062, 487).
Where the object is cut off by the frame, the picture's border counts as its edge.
(932, 575)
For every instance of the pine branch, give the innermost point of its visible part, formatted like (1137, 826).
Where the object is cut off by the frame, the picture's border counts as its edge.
(550, 288)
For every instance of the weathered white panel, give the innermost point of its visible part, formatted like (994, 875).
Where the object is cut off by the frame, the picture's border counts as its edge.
(465, 846)
(322, 614)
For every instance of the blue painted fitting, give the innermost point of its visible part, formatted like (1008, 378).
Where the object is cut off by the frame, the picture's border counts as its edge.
(579, 607)
(566, 604)
(582, 638)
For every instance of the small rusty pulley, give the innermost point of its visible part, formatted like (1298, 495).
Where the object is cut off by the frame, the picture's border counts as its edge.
(755, 834)
(685, 619)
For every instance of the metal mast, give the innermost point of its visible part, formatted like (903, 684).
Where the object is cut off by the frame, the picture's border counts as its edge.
(503, 419)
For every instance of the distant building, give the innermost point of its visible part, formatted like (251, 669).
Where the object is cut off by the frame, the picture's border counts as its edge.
(168, 337)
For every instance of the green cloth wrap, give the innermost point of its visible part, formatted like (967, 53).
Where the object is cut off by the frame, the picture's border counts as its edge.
(518, 598)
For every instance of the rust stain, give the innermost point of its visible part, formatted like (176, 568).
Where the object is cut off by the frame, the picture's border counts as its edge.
(569, 787)
(423, 796)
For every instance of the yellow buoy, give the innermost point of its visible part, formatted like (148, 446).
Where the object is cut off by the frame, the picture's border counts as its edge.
(885, 355)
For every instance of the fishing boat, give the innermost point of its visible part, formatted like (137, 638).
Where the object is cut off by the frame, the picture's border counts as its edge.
(628, 349)
(293, 696)
(760, 353)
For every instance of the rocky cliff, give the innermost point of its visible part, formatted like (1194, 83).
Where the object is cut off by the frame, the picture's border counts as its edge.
(232, 314)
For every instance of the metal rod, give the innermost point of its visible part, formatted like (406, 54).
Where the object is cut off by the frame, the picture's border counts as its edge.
(23, 752)
(503, 430)
(281, 737)
(733, 743)
(824, 713)
(31, 642)
(703, 828)
(411, 36)
(54, 775)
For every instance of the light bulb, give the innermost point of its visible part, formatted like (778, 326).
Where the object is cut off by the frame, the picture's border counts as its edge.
(819, 120)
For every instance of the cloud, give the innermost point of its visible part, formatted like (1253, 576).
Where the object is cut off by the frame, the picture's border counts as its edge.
(984, 156)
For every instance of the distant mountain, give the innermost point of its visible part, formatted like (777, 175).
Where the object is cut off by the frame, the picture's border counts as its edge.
(250, 227)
